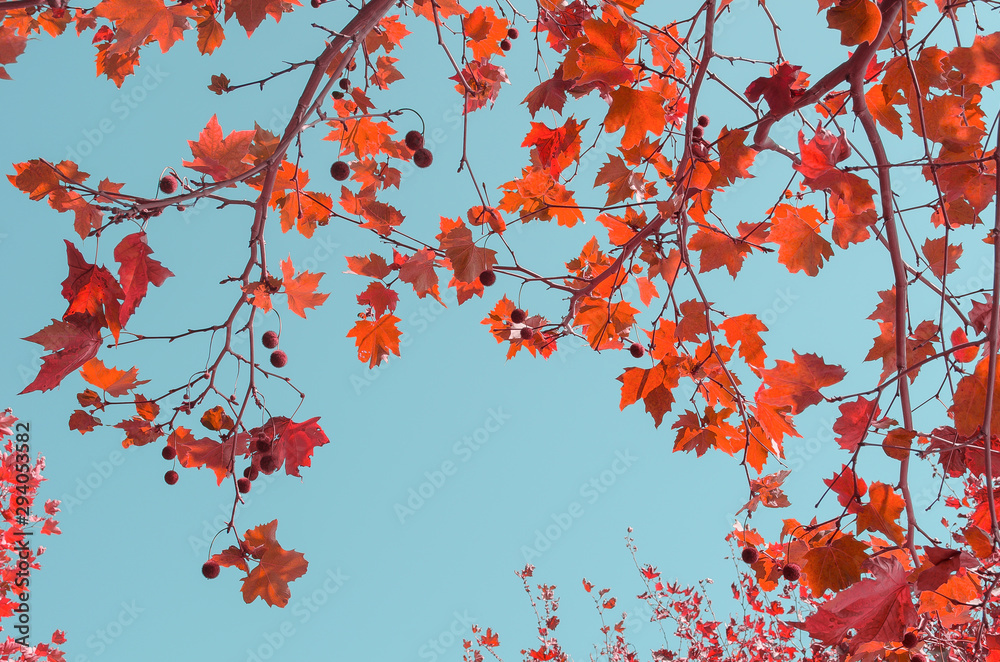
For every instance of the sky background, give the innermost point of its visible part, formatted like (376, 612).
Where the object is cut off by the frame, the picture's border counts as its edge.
(123, 580)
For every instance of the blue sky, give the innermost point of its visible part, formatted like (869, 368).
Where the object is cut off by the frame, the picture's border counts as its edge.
(549, 447)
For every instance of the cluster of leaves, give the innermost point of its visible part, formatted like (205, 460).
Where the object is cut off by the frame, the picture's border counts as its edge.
(864, 571)
(19, 481)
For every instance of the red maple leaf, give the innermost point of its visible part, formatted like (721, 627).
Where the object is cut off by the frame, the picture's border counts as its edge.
(418, 271)
(91, 292)
(294, 442)
(204, 452)
(483, 80)
(137, 271)
(556, 148)
(779, 89)
(855, 417)
(878, 610)
(72, 344)
(379, 297)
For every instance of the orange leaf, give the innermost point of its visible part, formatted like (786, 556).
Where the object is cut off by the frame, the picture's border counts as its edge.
(979, 64)
(942, 258)
(882, 512)
(734, 156)
(623, 183)
(210, 32)
(746, 330)
(834, 565)
(858, 21)
(897, 443)
(137, 21)
(602, 53)
(301, 290)
(639, 111)
(882, 109)
(969, 408)
(604, 322)
(375, 340)
(967, 355)
(115, 382)
(797, 384)
(952, 601)
(216, 418)
(654, 386)
(800, 246)
(718, 249)
(305, 209)
(646, 290)
(276, 568)
(483, 32)
(251, 13)
(556, 148)
(219, 158)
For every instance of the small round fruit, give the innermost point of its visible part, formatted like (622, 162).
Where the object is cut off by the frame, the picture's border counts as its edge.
(168, 184)
(488, 277)
(527, 333)
(910, 640)
(279, 358)
(697, 132)
(517, 316)
(210, 569)
(243, 485)
(316, 3)
(636, 350)
(254, 472)
(168, 452)
(423, 157)
(269, 339)
(505, 45)
(171, 477)
(267, 464)
(703, 120)
(262, 445)
(749, 555)
(512, 33)
(337, 94)
(414, 140)
(344, 83)
(340, 171)
(791, 572)
(247, 472)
